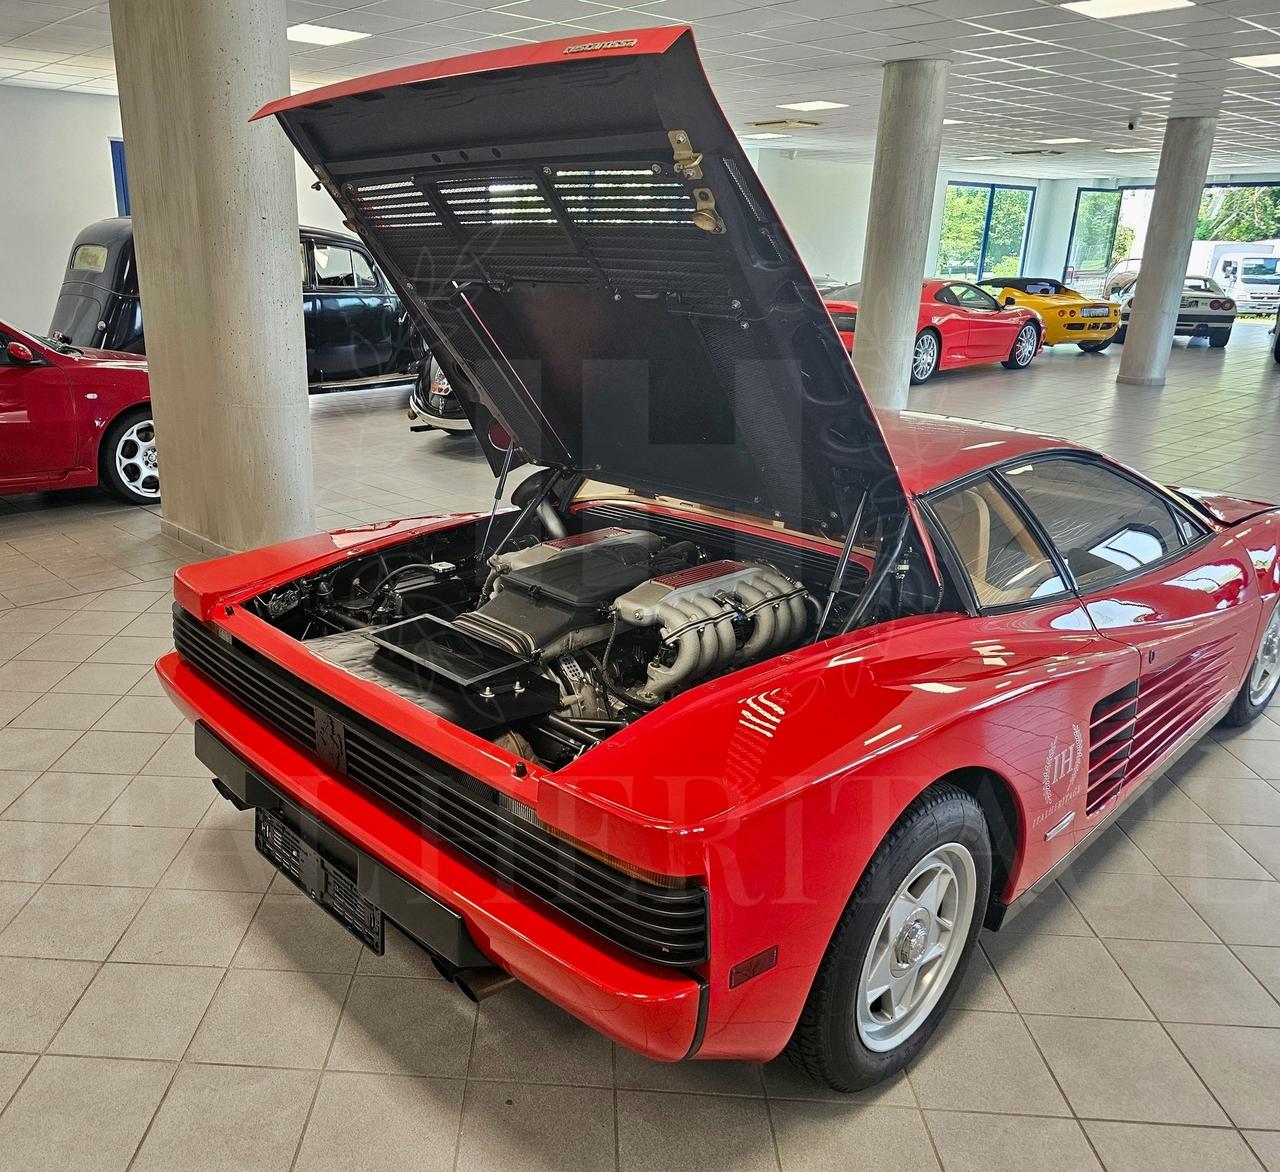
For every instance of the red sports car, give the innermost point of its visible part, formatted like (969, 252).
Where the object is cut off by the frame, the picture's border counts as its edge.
(959, 325)
(73, 418)
(734, 731)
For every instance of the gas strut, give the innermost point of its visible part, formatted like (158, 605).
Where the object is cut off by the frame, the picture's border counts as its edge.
(837, 578)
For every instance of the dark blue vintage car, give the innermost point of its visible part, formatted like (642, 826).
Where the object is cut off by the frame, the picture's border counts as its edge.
(357, 332)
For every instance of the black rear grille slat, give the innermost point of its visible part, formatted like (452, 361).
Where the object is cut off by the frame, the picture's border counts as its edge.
(664, 924)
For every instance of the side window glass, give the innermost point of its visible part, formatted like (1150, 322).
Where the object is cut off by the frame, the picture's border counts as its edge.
(1104, 524)
(363, 271)
(945, 296)
(972, 297)
(302, 262)
(333, 266)
(1005, 562)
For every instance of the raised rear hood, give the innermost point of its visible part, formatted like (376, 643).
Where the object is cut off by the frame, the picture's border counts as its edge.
(595, 263)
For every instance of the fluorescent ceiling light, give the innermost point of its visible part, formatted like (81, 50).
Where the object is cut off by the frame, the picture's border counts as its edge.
(322, 34)
(952, 122)
(765, 134)
(810, 107)
(1261, 61)
(1060, 141)
(1108, 9)
(977, 158)
(1129, 150)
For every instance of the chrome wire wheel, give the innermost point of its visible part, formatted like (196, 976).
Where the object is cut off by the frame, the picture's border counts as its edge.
(1265, 675)
(136, 462)
(916, 947)
(925, 356)
(1024, 348)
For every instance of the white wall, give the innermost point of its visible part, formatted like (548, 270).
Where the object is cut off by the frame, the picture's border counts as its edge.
(57, 181)
(824, 207)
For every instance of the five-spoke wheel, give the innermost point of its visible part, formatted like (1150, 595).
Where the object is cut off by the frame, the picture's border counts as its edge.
(129, 465)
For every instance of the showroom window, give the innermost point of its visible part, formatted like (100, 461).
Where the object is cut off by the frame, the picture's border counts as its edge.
(1005, 562)
(984, 230)
(1104, 525)
(120, 176)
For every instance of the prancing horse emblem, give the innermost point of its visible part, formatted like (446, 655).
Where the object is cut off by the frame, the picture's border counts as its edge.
(331, 742)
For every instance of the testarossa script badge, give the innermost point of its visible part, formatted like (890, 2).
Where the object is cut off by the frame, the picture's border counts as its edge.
(596, 46)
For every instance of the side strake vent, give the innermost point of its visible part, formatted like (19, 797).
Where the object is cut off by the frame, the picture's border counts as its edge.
(1176, 697)
(1110, 743)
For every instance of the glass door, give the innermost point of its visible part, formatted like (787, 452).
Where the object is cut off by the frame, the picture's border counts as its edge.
(984, 230)
(1093, 239)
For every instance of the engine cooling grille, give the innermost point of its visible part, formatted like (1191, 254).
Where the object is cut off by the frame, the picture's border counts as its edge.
(665, 923)
(1110, 744)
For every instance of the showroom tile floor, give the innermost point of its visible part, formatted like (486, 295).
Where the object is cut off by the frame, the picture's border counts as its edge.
(164, 1004)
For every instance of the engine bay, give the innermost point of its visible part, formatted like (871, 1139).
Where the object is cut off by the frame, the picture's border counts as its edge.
(552, 643)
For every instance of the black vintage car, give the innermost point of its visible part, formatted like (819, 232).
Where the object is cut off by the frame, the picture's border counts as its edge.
(356, 330)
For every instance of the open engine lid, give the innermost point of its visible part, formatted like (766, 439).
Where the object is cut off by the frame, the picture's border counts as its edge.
(595, 263)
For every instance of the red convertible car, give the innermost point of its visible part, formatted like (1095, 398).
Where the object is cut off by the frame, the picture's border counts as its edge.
(73, 418)
(959, 325)
(731, 734)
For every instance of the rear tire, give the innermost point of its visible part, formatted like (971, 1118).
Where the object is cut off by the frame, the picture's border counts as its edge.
(127, 462)
(1024, 349)
(1262, 681)
(1120, 335)
(1096, 347)
(1219, 338)
(925, 357)
(851, 1033)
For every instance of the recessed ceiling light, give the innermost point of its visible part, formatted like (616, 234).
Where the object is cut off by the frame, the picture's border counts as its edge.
(1129, 150)
(952, 122)
(1107, 9)
(765, 134)
(1060, 141)
(322, 34)
(810, 107)
(1261, 61)
(977, 158)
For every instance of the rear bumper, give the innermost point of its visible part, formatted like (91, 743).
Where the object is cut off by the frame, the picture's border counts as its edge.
(657, 1012)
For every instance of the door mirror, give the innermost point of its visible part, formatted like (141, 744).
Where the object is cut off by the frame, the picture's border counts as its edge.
(1009, 302)
(19, 353)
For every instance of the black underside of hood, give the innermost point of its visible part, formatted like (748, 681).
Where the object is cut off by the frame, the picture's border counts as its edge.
(595, 264)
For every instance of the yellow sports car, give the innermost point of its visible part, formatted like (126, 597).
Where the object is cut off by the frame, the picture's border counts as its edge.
(1068, 316)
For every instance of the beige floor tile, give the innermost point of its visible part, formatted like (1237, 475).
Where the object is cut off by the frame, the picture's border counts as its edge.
(92, 622)
(261, 1018)
(131, 649)
(1143, 907)
(1063, 974)
(1266, 1146)
(33, 748)
(154, 714)
(393, 1025)
(1241, 1066)
(968, 1142)
(980, 988)
(161, 801)
(13, 1069)
(1014, 1076)
(67, 922)
(1263, 963)
(783, 1080)
(822, 1137)
(30, 851)
(38, 995)
(188, 927)
(711, 1133)
(1240, 911)
(13, 897)
(138, 1011)
(104, 679)
(1111, 850)
(66, 797)
(175, 758)
(406, 1122)
(1122, 1070)
(1260, 756)
(1050, 912)
(114, 1101)
(219, 860)
(1262, 842)
(62, 710)
(28, 676)
(1163, 801)
(1202, 983)
(635, 1072)
(13, 783)
(401, 956)
(291, 932)
(1150, 1147)
(122, 856)
(13, 704)
(1249, 801)
(1196, 849)
(62, 648)
(228, 1117)
(110, 752)
(1207, 758)
(222, 815)
(536, 1128)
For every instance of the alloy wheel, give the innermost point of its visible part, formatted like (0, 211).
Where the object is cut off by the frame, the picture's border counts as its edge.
(916, 947)
(925, 357)
(136, 459)
(1024, 349)
(1265, 675)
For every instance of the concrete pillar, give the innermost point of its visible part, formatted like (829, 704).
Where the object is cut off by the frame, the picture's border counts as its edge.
(216, 231)
(1184, 163)
(908, 141)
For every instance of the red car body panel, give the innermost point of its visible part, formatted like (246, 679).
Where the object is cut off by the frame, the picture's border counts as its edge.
(777, 816)
(969, 337)
(54, 412)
